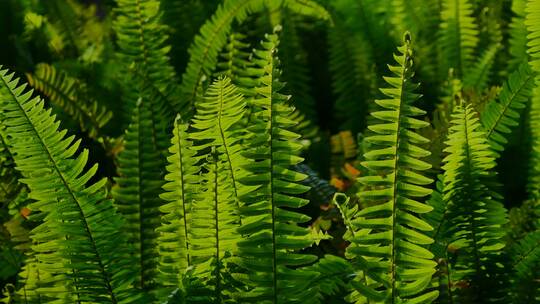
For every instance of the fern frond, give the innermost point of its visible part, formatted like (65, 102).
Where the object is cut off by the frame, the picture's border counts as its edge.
(67, 94)
(390, 242)
(269, 250)
(175, 14)
(533, 181)
(414, 16)
(217, 124)
(80, 222)
(173, 240)
(525, 258)
(478, 76)
(334, 275)
(142, 40)
(297, 76)
(9, 184)
(352, 76)
(532, 21)
(458, 36)
(421, 18)
(500, 115)
(205, 49)
(522, 220)
(213, 234)
(438, 219)
(234, 59)
(518, 35)
(475, 212)
(141, 170)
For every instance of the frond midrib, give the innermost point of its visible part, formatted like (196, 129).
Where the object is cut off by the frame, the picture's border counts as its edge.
(216, 222)
(271, 147)
(395, 182)
(225, 145)
(469, 217)
(140, 28)
(140, 202)
(183, 188)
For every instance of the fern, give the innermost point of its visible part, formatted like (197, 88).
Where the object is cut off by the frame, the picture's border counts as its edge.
(9, 185)
(501, 115)
(533, 49)
(391, 251)
(67, 93)
(349, 63)
(458, 36)
(475, 213)
(205, 50)
(268, 220)
(298, 76)
(79, 215)
(478, 76)
(438, 218)
(175, 14)
(217, 124)
(533, 182)
(213, 233)
(142, 42)
(140, 169)
(532, 21)
(518, 35)
(175, 220)
(334, 275)
(526, 264)
(234, 59)
(414, 16)
(216, 206)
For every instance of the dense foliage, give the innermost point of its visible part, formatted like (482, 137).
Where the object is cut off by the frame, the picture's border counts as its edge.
(270, 151)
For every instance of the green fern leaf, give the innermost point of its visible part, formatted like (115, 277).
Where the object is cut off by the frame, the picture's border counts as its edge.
(173, 240)
(80, 240)
(297, 76)
(218, 124)
(272, 239)
(458, 36)
(66, 93)
(334, 275)
(500, 115)
(352, 76)
(213, 234)
(478, 76)
(144, 52)
(9, 184)
(525, 256)
(204, 51)
(532, 21)
(234, 59)
(390, 241)
(518, 35)
(475, 212)
(140, 169)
